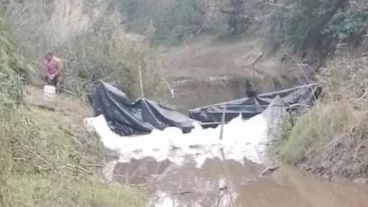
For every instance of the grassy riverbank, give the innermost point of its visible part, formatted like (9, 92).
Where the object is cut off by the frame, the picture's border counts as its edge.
(331, 139)
(47, 159)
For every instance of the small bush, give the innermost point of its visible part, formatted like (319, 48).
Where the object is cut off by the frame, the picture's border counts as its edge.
(299, 24)
(348, 23)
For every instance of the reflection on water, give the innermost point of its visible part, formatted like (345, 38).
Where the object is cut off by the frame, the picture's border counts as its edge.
(223, 184)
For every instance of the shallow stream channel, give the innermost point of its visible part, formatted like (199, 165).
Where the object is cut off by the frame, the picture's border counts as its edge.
(231, 184)
(204, 168)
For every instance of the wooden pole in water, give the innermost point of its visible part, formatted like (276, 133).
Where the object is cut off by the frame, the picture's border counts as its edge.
(141, 79)
(225, 167)
(223, 121)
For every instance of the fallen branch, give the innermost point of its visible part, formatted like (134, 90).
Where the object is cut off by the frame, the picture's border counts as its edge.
(71, 167)
(268, 171)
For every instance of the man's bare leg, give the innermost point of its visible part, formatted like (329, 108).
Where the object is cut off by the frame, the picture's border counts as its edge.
(58, 84)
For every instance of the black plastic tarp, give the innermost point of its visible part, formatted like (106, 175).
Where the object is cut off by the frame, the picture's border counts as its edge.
(131, 118)
(293, 98)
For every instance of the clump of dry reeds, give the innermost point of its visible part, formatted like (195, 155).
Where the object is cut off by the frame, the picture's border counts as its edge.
(331, 139)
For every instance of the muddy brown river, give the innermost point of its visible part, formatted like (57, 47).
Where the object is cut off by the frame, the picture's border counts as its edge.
(231, 184)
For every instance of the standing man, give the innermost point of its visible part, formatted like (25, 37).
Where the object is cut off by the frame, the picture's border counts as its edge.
(52, 66)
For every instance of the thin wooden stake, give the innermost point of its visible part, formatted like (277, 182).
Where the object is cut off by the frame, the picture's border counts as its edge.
(223, 121)
(141, 79)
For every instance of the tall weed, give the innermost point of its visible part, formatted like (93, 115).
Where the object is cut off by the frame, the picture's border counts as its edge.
(10, 67)
(105, 52)
(10, 94)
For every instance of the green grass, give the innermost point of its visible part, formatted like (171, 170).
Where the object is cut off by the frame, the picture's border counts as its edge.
(92, 47)
(47, 159)
(41, 190)
(46, 166)
(313, 131)
(330, 139)
(301, 139)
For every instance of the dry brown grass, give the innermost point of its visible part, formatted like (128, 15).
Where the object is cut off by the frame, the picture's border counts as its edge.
(331, 140)
(90, 39)
(47, 158)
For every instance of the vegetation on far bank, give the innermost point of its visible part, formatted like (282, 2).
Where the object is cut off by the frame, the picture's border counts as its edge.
(293, 24)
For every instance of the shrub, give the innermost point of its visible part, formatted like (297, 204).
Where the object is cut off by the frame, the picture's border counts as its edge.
(10, 67)
(300, 24)
(105, 52)
(348, 23)
(171, 21)
(90, 39)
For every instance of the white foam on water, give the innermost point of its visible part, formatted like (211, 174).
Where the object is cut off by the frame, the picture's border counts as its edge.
(242, 139)
(163, 200)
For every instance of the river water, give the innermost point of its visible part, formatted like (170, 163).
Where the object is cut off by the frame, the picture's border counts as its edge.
(199, 169)
(231, 184)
